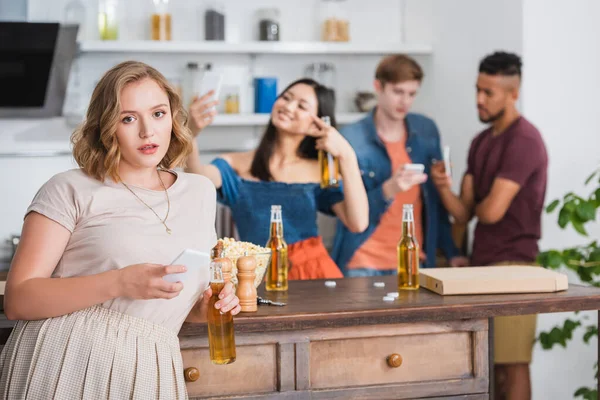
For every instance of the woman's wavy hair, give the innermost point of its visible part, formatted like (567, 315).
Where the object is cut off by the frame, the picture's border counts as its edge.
(95, 146)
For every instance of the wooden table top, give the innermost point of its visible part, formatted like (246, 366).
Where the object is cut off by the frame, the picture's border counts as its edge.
(355, 301)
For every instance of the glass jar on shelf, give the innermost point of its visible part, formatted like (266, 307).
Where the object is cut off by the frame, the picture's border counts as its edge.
(160, 21)
(75, 14)
(73, 109)
(324, 73)
(214, 21)
(191, 81)
(268, 24)
(334, 22)
(232, 99)
(108, 24)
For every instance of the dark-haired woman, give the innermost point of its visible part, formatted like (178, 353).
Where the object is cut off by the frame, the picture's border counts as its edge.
(284, 170)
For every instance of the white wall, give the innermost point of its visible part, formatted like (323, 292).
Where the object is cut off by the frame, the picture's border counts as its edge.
(13, 10)
(561, 79)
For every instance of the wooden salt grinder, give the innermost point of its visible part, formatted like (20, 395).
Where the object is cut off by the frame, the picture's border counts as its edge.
(246, 291)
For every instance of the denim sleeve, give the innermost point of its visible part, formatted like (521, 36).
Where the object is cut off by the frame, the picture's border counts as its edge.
(445, 241)
(378, 204)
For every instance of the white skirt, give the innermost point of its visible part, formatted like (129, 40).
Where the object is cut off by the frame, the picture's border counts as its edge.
(94, 353)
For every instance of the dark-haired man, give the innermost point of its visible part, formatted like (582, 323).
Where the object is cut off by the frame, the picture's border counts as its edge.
(504, 187)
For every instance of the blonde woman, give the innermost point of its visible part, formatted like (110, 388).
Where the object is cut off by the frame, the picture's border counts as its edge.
(96, 318)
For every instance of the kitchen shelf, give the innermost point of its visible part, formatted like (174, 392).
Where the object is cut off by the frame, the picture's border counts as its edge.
(263, 119)
(299, 48)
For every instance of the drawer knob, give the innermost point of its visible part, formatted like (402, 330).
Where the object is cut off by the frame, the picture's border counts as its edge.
(191, 374)
(394, 360)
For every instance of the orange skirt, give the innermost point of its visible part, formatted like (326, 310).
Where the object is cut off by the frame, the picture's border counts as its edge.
(309, 259)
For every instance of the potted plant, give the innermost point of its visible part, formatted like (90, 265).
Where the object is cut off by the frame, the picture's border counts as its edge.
(576, 211)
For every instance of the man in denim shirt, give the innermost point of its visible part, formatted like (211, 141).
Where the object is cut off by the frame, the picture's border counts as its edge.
(384, 141)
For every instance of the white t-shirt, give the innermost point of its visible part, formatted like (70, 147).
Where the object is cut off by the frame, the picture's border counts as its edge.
(111, 229)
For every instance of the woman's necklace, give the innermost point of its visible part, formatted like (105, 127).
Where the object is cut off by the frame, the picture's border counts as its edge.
(163, 221)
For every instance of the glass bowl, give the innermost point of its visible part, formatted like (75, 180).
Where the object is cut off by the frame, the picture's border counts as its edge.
(262, 263)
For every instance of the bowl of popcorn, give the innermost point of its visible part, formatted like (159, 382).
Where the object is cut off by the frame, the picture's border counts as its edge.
(234, 249)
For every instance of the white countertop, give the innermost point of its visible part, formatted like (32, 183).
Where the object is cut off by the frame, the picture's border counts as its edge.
(30, 137)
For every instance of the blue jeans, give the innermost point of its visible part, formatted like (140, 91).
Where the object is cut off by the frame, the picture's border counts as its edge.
(360, 272)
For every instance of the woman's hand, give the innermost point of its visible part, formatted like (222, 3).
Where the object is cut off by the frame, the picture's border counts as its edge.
(145, 281)
(228, 301)
(329, 139)
(201, 113)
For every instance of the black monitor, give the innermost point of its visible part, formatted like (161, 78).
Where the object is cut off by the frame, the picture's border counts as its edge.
(35, 60)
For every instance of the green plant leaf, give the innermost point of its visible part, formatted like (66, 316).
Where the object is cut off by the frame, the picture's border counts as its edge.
(586, 393)
(572, 254)
(586, 211)
(554, 259)
(579, 227)
(589, 179)
(552, 206)
(594, 255)
(558, 335)
(569, 197)
(569, 326)
(597, 194)
(550, 259)
(570, 206)
(585, 274)
(590, 333)
(564, 217)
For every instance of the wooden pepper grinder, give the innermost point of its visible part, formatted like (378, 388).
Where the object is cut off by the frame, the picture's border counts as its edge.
(246, 291)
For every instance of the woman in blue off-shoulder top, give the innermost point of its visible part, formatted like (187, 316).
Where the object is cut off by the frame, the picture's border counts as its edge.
(284, 170)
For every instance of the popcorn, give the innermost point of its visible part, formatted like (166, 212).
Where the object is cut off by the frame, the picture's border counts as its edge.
(234, 249)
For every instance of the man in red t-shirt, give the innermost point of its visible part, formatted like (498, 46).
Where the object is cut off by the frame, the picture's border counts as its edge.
(504, 187)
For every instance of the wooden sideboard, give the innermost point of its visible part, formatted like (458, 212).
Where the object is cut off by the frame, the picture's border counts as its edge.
(347, 343)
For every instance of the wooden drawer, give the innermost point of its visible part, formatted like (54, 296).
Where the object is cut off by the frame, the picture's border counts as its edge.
(364, 361)
(254, 371)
